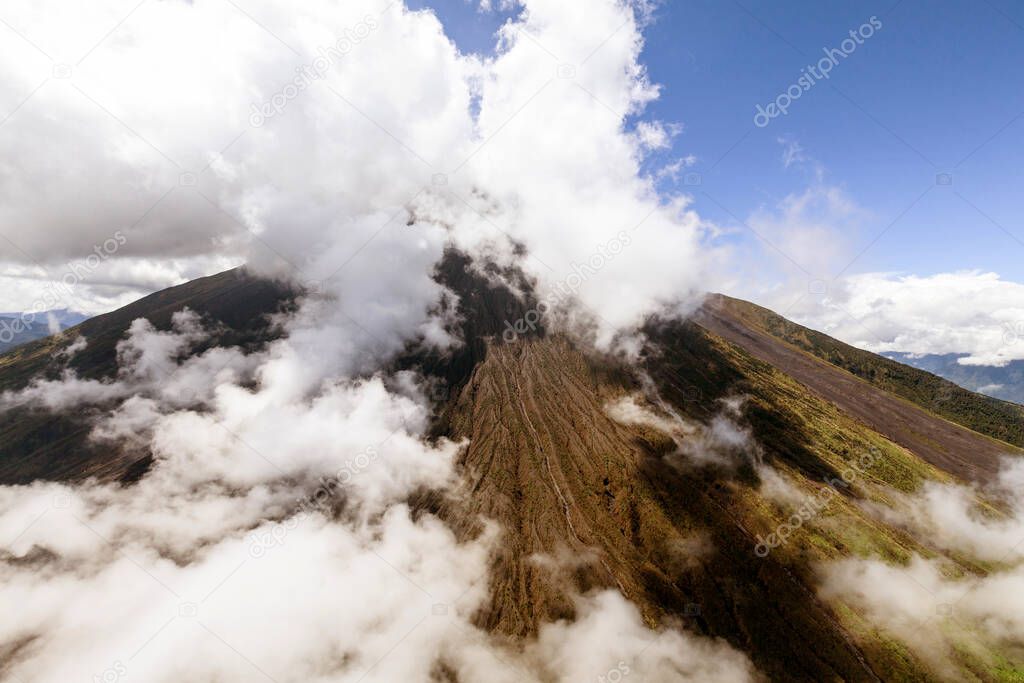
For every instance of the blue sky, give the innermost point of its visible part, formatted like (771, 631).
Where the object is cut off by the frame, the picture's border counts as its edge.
(935, 90)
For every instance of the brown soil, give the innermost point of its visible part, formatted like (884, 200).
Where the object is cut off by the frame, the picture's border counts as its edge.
(950, 447)
(566, 481)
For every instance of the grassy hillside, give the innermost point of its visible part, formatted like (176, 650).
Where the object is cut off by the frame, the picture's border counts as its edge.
(564, 479)
(615, 501)
(986, 415)
(1006, 383)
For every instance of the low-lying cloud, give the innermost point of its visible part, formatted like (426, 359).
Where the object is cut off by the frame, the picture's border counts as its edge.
(354, 190)
(937, 607)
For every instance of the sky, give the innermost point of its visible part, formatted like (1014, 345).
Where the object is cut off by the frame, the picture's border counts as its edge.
(344, 147)
(933, 91)
(917, 138)
(900, 166)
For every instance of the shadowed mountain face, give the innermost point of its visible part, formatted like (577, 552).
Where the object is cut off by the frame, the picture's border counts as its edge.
(644, 477)
(38, 445)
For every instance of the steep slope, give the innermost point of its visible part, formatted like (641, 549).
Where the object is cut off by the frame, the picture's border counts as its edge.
(588, 499)
(890, 398)
(36, 444)
(617, 506)
(566, 481)
(986, 415)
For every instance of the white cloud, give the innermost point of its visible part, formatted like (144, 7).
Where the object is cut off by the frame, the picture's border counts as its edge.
(545, 161)
(969, 312)
(272, 534)
(723, 441)
(931, 605)
(655, 135)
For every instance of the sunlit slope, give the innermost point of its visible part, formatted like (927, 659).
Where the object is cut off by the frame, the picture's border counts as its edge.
(986, 415)
(586, 500)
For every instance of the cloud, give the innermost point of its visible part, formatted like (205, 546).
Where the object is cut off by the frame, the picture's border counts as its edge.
(968, 312)
(227, 548)
(933, 614)
(793, 248)
(792, 151)
(801, 265)
(952, 517)
(723, 441)
(810, 230)
(344, 148)
(657, 135)
(480, 151)
(935, 607)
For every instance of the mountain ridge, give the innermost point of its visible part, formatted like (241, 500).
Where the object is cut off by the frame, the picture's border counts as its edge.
(646, 478)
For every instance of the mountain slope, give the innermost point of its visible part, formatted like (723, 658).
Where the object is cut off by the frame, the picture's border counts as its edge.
(871, 387)
(669, 508)
(1005, 383)
(35, 444)
(20, 328)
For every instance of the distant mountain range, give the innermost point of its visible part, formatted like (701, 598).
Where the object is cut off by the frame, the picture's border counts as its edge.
(1006, 382)
(20, 328)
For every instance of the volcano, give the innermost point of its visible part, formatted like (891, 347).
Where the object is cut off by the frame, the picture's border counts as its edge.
(646, 474)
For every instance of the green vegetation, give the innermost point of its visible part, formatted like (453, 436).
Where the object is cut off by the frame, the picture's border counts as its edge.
(989, 416)
(545, 460)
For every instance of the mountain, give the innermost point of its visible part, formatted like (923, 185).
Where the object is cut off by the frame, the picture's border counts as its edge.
(581, 454)
(19, 328)
(54, 446)
(1006, 382)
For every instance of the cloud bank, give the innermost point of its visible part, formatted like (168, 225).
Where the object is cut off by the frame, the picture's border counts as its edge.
(344, 148)
(935, 606)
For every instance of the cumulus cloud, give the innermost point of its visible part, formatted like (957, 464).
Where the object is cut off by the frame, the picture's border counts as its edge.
(272, 535)
(520, 148)
(970, 312)
(934, 606)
